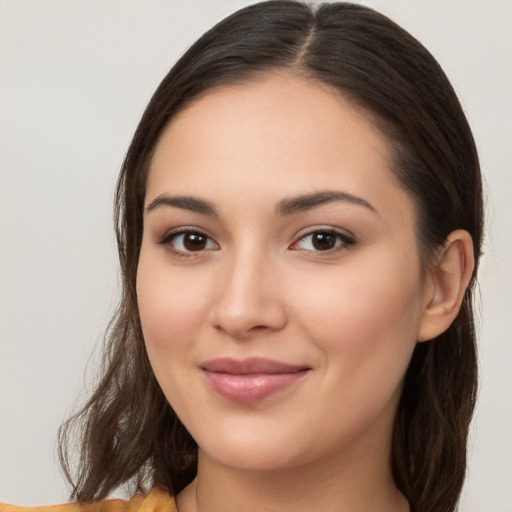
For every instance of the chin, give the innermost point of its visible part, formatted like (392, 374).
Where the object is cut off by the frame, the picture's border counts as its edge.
(252, 457)
(252, 447)
(256, 446)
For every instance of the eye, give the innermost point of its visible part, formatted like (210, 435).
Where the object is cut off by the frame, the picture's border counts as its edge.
(323, 240)
(190, 241)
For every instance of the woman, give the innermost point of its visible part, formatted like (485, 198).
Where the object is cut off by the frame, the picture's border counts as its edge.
(299, 224)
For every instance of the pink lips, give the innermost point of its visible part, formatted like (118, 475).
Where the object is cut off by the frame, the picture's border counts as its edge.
(251, 379)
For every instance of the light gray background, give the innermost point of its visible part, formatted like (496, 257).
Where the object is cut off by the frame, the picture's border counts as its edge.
(75, 76)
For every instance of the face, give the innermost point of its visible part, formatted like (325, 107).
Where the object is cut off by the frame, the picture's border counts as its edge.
(279, 282)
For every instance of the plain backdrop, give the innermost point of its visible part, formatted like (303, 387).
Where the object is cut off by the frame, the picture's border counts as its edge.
(75, 76)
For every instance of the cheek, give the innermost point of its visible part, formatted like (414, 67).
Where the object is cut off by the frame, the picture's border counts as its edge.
(171, 309)
(365, 319)
(170, 306)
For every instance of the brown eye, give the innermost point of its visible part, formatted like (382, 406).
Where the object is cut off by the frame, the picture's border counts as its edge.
(194, 242)
(323, 241)
(189, 241)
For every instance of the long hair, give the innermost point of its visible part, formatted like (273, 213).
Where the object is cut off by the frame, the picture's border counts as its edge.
(128, 430)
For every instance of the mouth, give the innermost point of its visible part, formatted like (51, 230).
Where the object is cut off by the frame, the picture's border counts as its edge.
(252, 379)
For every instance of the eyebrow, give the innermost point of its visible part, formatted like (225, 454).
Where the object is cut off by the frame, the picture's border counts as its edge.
(285, 207)
(193, 204)
(293, 205)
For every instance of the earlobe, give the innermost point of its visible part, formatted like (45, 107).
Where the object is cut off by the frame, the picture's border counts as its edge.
(447, 282)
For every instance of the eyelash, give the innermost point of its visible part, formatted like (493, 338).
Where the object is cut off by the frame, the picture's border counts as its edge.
(343, 241)
(168, 238)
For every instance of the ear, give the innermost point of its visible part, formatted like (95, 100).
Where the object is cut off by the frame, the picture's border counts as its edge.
(445, 285)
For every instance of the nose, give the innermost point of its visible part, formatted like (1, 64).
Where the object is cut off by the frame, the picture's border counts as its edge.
(249, 298)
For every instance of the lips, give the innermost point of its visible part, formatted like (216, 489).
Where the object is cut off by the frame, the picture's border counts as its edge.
(252, 379)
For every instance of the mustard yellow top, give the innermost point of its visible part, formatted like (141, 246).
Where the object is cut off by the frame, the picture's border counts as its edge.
(156, 501)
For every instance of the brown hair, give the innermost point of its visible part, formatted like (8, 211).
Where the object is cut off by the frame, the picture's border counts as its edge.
(129, 432)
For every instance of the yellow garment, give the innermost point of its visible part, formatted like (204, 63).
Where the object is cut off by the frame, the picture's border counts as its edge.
(156, 501)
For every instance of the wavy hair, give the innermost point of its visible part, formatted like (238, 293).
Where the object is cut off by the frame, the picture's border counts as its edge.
(128, 431)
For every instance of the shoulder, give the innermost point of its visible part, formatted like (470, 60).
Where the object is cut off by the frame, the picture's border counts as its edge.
(157, 500)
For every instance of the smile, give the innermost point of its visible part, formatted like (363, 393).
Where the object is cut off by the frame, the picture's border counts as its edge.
(251, 379)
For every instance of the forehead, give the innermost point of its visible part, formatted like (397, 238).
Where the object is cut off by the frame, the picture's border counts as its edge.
(277, 136)
(280, 107)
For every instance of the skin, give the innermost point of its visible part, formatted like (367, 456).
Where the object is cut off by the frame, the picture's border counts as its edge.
(259, 287)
